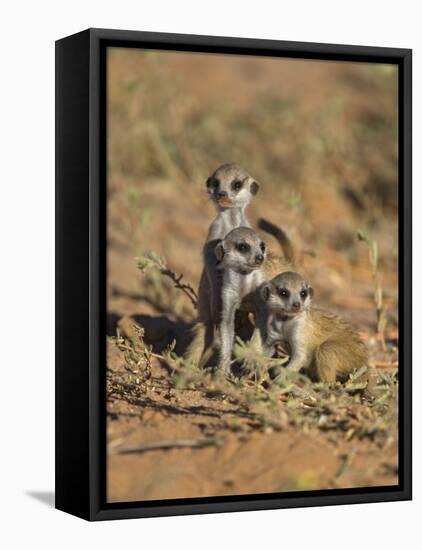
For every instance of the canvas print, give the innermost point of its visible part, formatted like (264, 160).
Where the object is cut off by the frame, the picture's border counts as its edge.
(252, 275)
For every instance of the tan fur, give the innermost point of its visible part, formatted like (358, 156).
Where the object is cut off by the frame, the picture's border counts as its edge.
(336, 348)
(276, 264)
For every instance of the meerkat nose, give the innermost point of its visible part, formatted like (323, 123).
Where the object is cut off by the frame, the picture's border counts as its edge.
(221, 194)
(296, 305)
(259, 258)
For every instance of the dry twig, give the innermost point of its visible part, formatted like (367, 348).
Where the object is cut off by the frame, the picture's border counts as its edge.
(152, 259)
(171, 444)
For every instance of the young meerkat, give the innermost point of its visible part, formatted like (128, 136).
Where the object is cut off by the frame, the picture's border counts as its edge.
(231, 188)
(240, 255)
(322, 344)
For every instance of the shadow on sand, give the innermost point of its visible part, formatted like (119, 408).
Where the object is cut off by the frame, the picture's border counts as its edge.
(160, 331)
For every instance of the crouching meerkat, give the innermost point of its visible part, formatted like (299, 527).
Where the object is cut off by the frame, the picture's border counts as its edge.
(323, 345)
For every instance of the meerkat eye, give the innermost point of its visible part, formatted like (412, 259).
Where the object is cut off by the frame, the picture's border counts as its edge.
(262, 247)
(236, 185)
(243, 247)
(303, 293)
(212, 183)
(283, 292)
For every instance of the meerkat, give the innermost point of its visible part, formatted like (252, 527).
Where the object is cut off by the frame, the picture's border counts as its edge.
(240, 255)
(231, 188)
(323, 345)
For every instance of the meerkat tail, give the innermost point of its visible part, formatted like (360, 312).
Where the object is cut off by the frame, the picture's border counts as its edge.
(281, 237)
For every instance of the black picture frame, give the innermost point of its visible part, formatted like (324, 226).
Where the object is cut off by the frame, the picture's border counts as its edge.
(81, 272)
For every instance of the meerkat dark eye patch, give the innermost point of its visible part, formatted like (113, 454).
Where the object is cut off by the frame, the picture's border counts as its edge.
(284, 292)
(254, 188)
(237, 185)
(212, 183)
(262, 246)
(303, 294)
(243, 247)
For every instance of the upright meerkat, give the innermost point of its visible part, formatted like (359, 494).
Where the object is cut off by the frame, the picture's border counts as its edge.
(231, 189)
(240, 257)
(324, 345)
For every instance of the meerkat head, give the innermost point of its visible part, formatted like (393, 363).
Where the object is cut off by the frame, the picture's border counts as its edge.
(231, 186)
(242, 250)
(288, 293)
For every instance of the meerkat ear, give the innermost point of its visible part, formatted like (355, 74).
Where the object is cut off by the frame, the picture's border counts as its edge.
(219, 251)
(254, 187)
(208, 182)
(311, 292)
(265, 291)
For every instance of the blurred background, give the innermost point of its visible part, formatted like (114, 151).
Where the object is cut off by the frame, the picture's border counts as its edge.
(319, 136)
